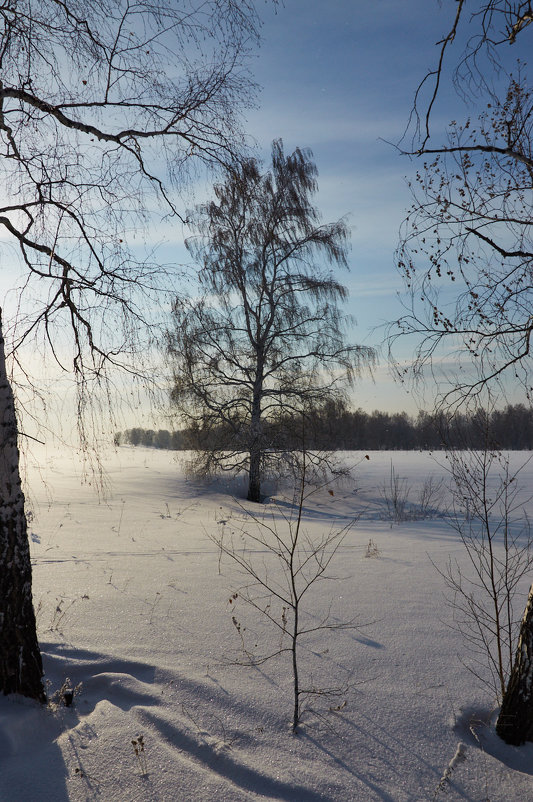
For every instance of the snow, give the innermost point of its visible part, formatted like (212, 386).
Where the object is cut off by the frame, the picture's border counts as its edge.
(133, 607)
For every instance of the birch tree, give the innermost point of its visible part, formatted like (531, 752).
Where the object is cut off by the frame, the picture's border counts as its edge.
(467, 251)
(104, 106)
(267, 334)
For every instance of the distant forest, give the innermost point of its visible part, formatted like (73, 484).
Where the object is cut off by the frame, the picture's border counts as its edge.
(334, 427)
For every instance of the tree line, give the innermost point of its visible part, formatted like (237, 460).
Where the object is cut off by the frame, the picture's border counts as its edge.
(335, 427)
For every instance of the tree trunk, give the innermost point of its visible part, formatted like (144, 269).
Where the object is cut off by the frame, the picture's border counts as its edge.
(515, 722)
(254, 474)
(21, 667)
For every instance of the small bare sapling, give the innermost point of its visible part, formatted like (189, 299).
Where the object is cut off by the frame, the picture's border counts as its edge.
(491, 522)
(396, 493)
(372, 550)
(282, 562)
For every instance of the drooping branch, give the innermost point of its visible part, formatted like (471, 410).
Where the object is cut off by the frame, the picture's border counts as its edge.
(435, 77)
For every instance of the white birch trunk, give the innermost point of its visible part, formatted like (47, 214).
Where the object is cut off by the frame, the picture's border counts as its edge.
(20, 657)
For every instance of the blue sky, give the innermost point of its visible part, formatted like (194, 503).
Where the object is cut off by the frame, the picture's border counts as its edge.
(339, 76)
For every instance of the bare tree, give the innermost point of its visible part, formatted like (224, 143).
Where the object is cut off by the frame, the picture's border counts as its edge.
(489, 516)
(281, 564)
(20, 665)
(466, 247)
(103, 107)
(266, 336)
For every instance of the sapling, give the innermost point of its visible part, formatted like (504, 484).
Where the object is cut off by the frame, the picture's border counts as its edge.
(496, 534)
(396, 491)
(283, 563)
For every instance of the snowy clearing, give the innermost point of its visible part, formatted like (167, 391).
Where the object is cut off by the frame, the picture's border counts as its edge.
(134, 606)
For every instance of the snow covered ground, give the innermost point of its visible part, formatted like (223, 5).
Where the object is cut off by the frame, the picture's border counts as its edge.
(133, 607)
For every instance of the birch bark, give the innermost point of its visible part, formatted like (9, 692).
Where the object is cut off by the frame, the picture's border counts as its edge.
(21, 667)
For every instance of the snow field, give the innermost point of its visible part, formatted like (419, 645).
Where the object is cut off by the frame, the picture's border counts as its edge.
(133, 606)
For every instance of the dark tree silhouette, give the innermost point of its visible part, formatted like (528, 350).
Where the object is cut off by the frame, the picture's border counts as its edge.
(467, 253)
(515, 721)
(466, 249)
(266, 336)
(332, 426)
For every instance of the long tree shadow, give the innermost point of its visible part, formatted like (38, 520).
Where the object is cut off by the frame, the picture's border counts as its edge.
(226, 767)
(365, 779)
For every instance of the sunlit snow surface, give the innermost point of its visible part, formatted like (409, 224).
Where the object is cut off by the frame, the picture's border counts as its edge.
(133, 606)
